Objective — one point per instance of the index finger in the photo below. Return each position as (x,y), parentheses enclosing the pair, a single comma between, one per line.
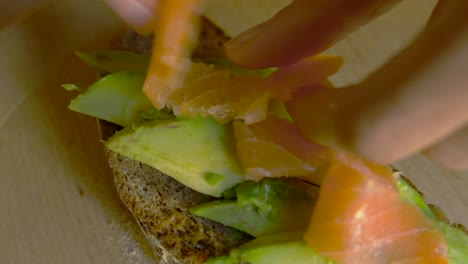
(302,29)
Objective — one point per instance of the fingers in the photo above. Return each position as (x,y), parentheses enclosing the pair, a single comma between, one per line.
(304,28)
(137,13)
(452,152)
(418,98)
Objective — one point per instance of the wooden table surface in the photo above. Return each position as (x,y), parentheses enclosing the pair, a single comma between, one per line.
(57,201)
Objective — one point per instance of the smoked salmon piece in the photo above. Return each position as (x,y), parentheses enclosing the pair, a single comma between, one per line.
(359,218)
(274,148)
(176,26)
(217,93)
(214,93)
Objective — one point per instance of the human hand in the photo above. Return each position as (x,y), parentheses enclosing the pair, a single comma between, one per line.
(416,102)
(407,113)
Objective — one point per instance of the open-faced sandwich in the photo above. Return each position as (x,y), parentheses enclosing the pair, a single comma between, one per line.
(218,172)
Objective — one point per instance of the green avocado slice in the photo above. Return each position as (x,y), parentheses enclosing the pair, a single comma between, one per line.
(266,207)
(280,248)
(411,196)
(197,152)
(229,213)
(116,98)
(457,242)
(456,239)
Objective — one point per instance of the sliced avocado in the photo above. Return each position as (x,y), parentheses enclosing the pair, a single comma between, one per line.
(411,196)
(115,61)
(116,98)
(229,213)
(268,196)
(279,248)
(229,194)
(456,239)
(265,207)
(187,149)
(457,242)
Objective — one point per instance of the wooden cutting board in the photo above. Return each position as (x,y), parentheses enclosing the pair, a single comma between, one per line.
(58,204)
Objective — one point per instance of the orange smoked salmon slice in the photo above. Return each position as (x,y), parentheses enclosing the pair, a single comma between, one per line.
(176,29)
(215,93)
(274,148)
(365,221)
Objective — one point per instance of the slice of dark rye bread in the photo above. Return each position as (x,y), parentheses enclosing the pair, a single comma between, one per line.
(160,204)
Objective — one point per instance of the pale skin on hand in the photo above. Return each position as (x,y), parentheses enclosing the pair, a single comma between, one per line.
(414,103)
(137,13)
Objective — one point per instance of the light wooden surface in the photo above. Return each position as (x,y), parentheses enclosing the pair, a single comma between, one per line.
(57,202)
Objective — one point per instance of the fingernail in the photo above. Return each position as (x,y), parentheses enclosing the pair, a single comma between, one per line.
(134,13)
(139,15)
(233,45)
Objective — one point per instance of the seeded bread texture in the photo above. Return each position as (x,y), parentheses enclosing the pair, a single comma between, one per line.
(159,203)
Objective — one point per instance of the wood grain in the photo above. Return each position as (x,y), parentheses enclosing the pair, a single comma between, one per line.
(58,204)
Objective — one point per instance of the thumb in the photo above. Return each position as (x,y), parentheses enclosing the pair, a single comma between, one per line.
(137,13)
(304,28)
